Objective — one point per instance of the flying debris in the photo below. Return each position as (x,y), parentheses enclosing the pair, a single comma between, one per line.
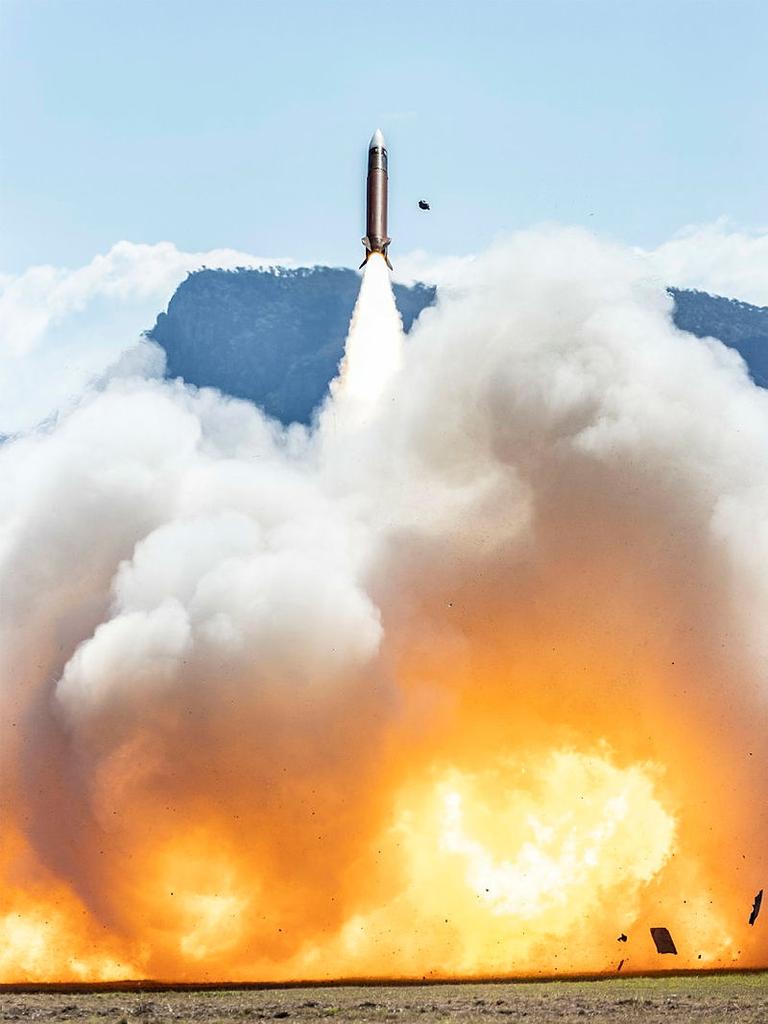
(663,940)
(622,938)
(621,964)
(376,239)
(758,902)
(424,205)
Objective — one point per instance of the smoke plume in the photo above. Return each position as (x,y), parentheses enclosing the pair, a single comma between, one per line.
(468,679)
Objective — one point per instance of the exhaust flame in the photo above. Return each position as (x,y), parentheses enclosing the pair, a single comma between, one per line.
(469,679)
(374,350)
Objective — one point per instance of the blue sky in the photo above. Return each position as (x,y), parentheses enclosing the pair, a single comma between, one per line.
(245,124)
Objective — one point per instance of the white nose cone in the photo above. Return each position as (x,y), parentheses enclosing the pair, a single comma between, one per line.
(377,140)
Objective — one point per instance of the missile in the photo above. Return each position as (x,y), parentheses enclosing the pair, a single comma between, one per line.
(376,239)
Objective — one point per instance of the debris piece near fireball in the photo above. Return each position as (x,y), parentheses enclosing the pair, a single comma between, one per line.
(757,903)
(663,941)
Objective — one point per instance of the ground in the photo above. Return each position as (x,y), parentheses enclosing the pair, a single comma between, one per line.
(713,999)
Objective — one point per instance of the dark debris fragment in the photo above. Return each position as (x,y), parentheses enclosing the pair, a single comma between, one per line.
(757,903)
(663,940)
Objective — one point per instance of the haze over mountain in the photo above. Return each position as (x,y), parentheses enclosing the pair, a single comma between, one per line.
(275,336)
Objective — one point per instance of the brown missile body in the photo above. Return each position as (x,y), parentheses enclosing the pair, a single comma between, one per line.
(376,238)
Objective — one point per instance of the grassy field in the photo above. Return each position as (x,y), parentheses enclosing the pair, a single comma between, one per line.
(713,998)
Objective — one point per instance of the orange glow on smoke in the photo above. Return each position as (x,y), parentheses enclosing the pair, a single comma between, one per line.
(507,839)
(46,934)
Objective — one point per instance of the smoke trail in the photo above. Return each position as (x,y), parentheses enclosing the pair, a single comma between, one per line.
(469,679)
(374,349)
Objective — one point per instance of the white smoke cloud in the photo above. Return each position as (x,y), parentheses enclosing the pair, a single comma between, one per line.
(419,265)
(548,465)
(59,326)
(716,258)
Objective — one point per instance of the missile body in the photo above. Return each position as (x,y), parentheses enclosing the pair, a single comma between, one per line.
(376,239)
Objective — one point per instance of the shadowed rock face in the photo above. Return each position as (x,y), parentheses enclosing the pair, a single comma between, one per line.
(276,336)
(737,324)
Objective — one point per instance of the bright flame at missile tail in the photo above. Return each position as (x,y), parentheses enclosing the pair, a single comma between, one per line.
(467,680)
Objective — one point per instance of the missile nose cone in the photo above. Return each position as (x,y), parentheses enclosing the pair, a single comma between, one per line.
(377,140)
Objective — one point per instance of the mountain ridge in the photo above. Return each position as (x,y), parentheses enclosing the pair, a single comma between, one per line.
(275,335)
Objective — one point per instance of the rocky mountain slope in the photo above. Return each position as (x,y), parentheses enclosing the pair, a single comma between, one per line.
(276,336)
(273,336)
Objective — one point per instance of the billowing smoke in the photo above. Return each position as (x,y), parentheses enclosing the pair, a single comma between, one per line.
(470,678)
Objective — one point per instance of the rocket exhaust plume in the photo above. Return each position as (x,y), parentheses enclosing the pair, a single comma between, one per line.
(468,679)
(373,352)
